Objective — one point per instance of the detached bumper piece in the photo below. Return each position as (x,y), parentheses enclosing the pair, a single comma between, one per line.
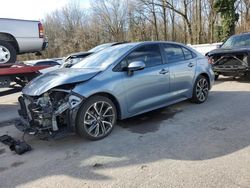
(20,147)
(43,135)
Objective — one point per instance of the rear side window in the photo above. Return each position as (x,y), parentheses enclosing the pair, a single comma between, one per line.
(43,63)
(187,54)
(47,63)
(149,54)
(53,63)
(173,53)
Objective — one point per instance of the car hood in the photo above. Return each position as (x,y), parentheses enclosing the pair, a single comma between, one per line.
(229,51)
(58,77)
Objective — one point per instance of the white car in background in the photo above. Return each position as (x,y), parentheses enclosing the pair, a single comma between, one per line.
(205,48)
(75,58)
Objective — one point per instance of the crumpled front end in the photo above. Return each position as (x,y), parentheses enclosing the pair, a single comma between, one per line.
(51,113)
(230,64)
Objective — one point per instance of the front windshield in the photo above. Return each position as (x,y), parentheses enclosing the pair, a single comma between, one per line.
(105,57)
(100,47)
(237,41)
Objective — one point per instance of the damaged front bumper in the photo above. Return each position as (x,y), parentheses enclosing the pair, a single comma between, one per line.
(51,114)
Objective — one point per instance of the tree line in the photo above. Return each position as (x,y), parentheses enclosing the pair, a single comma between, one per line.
(72,29)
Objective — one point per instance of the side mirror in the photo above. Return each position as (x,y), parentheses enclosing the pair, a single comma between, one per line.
(135,66)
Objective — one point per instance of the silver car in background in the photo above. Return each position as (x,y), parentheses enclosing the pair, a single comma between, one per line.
(116,83)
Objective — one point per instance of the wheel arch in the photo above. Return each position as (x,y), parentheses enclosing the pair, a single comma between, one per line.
(206,76)
(113,99)
(11,39)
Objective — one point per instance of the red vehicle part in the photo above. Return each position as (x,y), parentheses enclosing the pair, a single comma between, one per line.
(19,73)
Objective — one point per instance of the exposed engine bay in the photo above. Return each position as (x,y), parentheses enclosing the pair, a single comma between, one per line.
(51,113)
(231,64)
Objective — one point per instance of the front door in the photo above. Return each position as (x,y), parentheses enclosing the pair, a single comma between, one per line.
(148,88)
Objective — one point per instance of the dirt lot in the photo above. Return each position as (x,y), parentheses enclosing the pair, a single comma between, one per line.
(185,145)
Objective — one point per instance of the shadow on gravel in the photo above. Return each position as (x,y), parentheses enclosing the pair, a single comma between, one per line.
(243,79)
(8,112)
(148,122)
(214,129)
(9,122)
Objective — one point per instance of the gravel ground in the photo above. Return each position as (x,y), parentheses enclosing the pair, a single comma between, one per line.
(184,145)
(8,103)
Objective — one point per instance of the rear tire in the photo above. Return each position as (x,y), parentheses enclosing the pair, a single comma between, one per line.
(7,53)
(216,76)
(96,118)
(200,90)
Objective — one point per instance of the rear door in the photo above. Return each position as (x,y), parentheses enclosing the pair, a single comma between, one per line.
(182,65)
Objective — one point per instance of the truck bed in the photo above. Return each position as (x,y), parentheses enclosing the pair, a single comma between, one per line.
(18,73)
(19,69)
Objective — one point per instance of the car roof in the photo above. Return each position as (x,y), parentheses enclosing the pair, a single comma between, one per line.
(88,52)
(124,43)
(155,42)
(241,34)
(135,44)
(160,42)
(80,53)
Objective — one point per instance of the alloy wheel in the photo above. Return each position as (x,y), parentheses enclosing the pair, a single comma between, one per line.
(202,89)
(99,119)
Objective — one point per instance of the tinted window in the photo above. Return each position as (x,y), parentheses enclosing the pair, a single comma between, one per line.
(173,53)
(237,41)
(42,63)
(187,53)
(53,63)
(46,63)
(149,54)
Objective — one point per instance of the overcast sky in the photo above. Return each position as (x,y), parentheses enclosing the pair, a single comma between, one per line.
(33,9)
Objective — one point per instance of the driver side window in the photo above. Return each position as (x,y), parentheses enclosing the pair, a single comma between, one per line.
(149,54)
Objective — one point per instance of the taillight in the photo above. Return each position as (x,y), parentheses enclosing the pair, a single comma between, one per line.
(40,29)
(210,60)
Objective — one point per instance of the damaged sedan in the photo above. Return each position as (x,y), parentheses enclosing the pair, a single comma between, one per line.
(116,83)
(233,57)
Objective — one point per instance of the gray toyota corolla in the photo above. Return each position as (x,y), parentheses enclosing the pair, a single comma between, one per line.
(116,83)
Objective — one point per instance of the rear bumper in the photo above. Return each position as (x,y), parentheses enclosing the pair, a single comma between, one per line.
(211,77)
(31,45)
(231,69)
(45,44)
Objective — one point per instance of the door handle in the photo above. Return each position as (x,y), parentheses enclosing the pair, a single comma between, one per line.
(163,71)
(190,64)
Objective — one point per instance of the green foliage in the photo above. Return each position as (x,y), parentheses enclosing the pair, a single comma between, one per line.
(229,17)
(218,33)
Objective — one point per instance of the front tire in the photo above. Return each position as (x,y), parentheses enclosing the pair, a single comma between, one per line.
(7,53)
(200,90)
(96,118)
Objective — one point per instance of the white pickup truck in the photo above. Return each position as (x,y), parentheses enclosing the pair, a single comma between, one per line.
(19,37)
